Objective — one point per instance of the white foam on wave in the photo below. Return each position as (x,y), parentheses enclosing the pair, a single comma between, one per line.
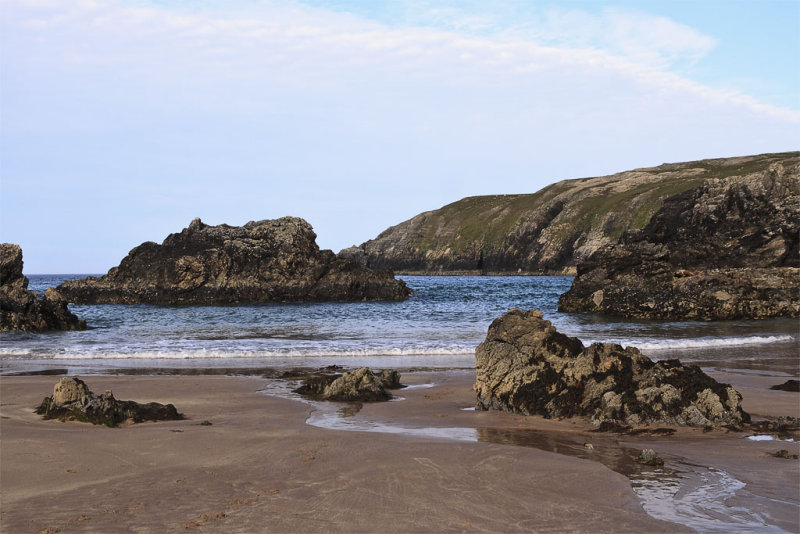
(189,354)
(767,437)
(706,342)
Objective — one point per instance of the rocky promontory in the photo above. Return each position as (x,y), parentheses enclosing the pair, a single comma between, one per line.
(262,261)
(22,309)
(526,366)
(72,400)
(727,249)
(547,232)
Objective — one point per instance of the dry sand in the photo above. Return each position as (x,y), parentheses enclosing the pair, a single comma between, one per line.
(260,468)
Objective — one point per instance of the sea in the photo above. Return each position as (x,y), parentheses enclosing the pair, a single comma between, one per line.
(438,327)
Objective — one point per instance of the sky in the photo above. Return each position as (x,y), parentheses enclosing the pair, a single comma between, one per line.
(121,121)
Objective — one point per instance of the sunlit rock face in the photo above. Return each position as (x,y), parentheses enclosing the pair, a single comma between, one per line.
(526,366)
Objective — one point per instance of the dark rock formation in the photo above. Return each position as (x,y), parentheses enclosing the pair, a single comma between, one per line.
(264,261)
(550,231)
(526,366)
(21,309)
(72,400)
(725,250)
(361,385)
(789,385)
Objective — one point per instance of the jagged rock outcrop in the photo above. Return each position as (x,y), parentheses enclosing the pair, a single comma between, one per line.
(526,366)
(725,250)
(550,231)
(263,261)
(22,309)
(72,400)
(361,385)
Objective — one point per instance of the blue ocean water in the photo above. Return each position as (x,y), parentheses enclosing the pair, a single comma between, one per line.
(438,327)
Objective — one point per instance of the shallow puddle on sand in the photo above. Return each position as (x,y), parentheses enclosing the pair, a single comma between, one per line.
(683,493)
(341,415)
(692,495)
(698,497)
(339,421)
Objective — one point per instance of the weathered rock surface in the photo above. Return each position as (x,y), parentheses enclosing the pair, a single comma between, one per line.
(361,385)
(649,457)
(789,385)
(725,250)
(72,400)
(263,261)
(21,309)
(546,232)
(526,366)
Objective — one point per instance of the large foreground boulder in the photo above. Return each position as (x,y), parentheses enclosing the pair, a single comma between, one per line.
(22,309)
(526,366)
(263,261)
(725,250)
(72,400)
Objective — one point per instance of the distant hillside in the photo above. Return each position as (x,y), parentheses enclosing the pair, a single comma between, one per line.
(548,231)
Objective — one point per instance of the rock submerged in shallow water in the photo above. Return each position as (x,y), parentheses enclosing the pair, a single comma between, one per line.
(526,366)
(22,309)
(72,400)
(262,261)
(649,457)
(361,385)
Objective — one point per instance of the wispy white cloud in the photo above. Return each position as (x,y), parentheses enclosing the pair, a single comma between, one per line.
(272,108)
(299,47)
(639,37)
(632,34)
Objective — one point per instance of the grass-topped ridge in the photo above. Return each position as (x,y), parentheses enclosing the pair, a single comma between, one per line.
(552,228)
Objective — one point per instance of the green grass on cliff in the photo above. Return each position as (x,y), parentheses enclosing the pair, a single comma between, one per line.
(486,221)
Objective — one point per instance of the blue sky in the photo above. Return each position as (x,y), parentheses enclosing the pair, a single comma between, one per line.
(122,121)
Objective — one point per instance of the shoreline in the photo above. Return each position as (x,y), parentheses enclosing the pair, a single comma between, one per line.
(261,466)
(570,270)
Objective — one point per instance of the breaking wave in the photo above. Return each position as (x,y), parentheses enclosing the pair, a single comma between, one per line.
(710,342)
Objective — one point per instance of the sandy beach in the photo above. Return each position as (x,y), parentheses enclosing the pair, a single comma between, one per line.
(422,463)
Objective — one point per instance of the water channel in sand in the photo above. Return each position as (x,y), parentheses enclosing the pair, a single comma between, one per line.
(696,496)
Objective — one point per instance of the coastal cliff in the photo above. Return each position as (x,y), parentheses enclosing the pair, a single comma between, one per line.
(22,309)
(547,232)
(725,250)
(262,261)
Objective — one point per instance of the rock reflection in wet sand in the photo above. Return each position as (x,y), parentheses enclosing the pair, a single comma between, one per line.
(691,495)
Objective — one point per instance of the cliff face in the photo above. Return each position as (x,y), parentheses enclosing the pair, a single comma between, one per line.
(547,231)
(725,250)
(262,261)
(22,309)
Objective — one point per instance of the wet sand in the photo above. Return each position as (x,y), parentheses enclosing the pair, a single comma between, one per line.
(419,464)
